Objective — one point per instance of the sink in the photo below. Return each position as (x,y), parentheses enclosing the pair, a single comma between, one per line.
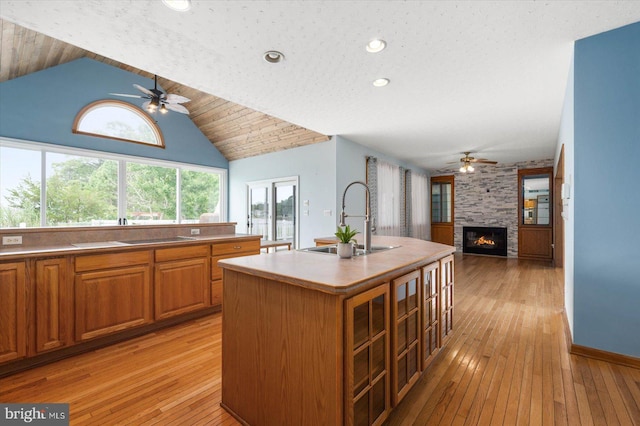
(157,240)
(333,249)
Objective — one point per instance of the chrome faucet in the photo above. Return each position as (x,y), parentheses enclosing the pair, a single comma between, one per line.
(368,227)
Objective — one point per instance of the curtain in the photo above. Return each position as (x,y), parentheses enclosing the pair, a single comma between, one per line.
(389,200)
(419,225)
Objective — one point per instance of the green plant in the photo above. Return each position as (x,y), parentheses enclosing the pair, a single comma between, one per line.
(346,235)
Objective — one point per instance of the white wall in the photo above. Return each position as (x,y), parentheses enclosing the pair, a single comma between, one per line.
(315,167)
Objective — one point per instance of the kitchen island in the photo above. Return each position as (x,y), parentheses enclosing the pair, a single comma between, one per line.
(309,338)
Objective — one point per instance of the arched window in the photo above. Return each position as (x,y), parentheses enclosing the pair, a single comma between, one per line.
(118,120)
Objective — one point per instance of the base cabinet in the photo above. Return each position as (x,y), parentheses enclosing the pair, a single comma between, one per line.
(405,337)
(54,306)
(13,312)
(181,282)
(227,250)
(367,389)
(110,300)
(430,323)
(446,298)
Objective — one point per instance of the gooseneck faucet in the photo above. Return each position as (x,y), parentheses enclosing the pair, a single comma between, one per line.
(368,228)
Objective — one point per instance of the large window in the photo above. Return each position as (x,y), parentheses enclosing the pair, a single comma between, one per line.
(42,185)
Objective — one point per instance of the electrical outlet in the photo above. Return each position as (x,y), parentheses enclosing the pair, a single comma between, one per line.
(195,232)
(12,239)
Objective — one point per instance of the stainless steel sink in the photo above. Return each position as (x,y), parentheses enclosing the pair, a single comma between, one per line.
(359,251)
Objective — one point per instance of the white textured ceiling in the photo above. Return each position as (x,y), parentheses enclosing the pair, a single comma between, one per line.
(481,76)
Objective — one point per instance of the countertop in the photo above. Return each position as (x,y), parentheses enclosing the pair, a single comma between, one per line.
(17,252)
(330,274)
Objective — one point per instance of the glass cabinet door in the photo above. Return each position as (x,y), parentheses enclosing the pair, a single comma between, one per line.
(367,387)
(446,298)
(430,313)
(406,335)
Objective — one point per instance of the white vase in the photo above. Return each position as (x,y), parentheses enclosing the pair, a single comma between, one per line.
(345,250)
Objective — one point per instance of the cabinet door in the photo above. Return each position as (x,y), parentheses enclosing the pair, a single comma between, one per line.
(181,286)
(13,313)
(406,334)
(367,387)
(54,319)
(430,313)
(446,299)
(216,293)
(112,300)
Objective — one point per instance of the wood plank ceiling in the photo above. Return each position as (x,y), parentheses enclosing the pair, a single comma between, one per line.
(236,131)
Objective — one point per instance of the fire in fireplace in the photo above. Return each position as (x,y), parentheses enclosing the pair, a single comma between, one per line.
(484,240)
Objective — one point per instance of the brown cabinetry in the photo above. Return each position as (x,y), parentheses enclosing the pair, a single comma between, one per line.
(54,306)
(112,293)
(227,250)
(13,312)
(181,280)
(406,334)
(367,357)
(446,298)
(430,313)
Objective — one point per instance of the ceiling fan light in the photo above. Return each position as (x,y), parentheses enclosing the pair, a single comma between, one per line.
(470,168)
(463,169)
(163,109)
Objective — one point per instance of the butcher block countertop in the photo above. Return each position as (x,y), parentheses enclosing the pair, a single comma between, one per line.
(330,274)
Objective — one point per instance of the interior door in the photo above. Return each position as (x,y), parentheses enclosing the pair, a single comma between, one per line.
(442,209)
(535,228)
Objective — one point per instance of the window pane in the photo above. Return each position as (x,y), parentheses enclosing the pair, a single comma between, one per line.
(19,188)
(81,191)
(200,196)
(536,200)
(151,194)
(119,120)
(446,202)
(285,213)
(436,216)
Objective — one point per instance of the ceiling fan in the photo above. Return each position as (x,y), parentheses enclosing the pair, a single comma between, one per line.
(158,99)
(467,160)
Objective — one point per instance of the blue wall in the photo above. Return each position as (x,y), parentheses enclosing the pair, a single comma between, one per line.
(41,107)
(607,198)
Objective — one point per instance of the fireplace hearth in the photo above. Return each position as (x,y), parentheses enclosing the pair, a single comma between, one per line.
(485,240)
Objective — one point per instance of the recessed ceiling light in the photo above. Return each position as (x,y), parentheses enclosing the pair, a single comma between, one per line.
(273,56)
(178,5)
(380,82)
(376,45)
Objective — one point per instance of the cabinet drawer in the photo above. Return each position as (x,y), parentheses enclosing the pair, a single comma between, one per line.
(178,253)
(216,271)
(112,260)
(236,247)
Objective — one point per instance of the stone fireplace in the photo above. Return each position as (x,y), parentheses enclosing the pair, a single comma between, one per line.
(491,241)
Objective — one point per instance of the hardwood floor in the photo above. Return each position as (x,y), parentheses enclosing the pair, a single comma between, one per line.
(506,363)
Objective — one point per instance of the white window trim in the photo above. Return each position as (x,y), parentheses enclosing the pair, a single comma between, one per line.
(60,149)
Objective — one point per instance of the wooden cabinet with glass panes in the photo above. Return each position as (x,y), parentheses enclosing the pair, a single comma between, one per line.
(430,325)
(405,334)
(446,298)
(367,392)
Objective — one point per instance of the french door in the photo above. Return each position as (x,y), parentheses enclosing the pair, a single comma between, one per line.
(272,207)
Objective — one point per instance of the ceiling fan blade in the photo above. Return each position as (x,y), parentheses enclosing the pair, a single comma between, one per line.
(484,161)
(176,108)
(126,96)
(143,90)
(175,99)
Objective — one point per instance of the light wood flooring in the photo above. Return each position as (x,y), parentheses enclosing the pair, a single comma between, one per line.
(507,363)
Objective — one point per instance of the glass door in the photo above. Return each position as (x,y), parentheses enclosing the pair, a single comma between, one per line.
(273,209)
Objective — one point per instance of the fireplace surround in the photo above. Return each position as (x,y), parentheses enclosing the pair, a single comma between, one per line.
(491,241)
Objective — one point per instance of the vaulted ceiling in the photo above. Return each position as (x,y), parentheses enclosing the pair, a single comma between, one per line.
(236,131)
(482,76)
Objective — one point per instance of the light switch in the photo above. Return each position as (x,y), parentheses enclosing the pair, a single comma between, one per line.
(327,212)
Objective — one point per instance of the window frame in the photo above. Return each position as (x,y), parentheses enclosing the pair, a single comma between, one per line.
(122,159)
(125,105)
